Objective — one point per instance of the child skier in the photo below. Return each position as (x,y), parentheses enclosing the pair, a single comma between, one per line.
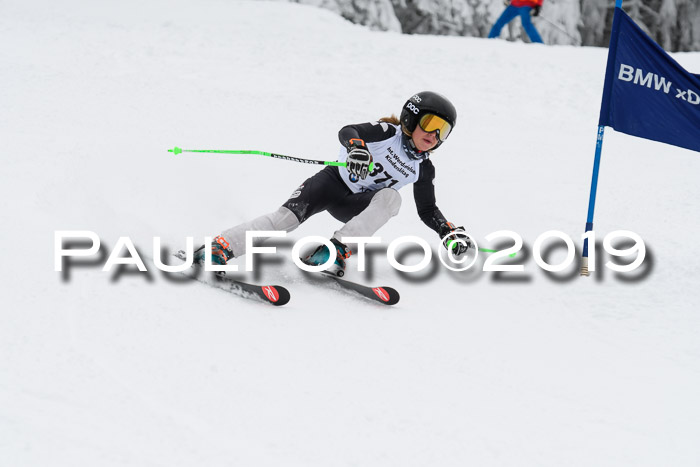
(364,200)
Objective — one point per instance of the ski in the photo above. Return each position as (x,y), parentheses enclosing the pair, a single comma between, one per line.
(273,294)
(384,295)
(278,295)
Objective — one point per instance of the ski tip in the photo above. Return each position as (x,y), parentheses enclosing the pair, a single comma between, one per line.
(276,294)
(387,295)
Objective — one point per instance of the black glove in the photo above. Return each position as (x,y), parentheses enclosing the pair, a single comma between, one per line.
(536,10)
(455,239)
(359,158)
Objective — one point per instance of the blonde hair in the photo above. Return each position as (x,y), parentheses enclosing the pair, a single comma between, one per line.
(394,120)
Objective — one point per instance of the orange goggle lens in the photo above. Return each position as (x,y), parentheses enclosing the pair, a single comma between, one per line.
(430,123)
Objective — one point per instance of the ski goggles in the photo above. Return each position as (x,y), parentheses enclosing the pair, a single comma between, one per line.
(431,122)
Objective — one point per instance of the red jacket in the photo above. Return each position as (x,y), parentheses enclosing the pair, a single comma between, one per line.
(530,3)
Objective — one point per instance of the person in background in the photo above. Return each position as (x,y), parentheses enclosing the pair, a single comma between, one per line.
(524,9)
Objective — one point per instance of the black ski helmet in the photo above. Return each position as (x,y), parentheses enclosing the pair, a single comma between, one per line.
(427,102)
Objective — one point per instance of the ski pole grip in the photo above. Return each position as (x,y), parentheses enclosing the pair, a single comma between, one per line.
(345,164)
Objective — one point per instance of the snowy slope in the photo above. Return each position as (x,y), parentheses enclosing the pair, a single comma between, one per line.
(470,368)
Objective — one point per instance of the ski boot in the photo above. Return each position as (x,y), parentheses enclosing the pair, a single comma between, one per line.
(321,255)
(220,252)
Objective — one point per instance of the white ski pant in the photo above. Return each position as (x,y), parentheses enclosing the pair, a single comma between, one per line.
(383,205)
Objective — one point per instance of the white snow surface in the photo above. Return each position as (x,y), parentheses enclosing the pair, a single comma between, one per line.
(133,369)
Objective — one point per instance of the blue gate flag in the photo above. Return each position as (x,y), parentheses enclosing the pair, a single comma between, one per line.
(647,93)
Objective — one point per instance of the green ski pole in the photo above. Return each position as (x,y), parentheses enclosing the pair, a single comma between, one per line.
(486,250)
(177,151)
